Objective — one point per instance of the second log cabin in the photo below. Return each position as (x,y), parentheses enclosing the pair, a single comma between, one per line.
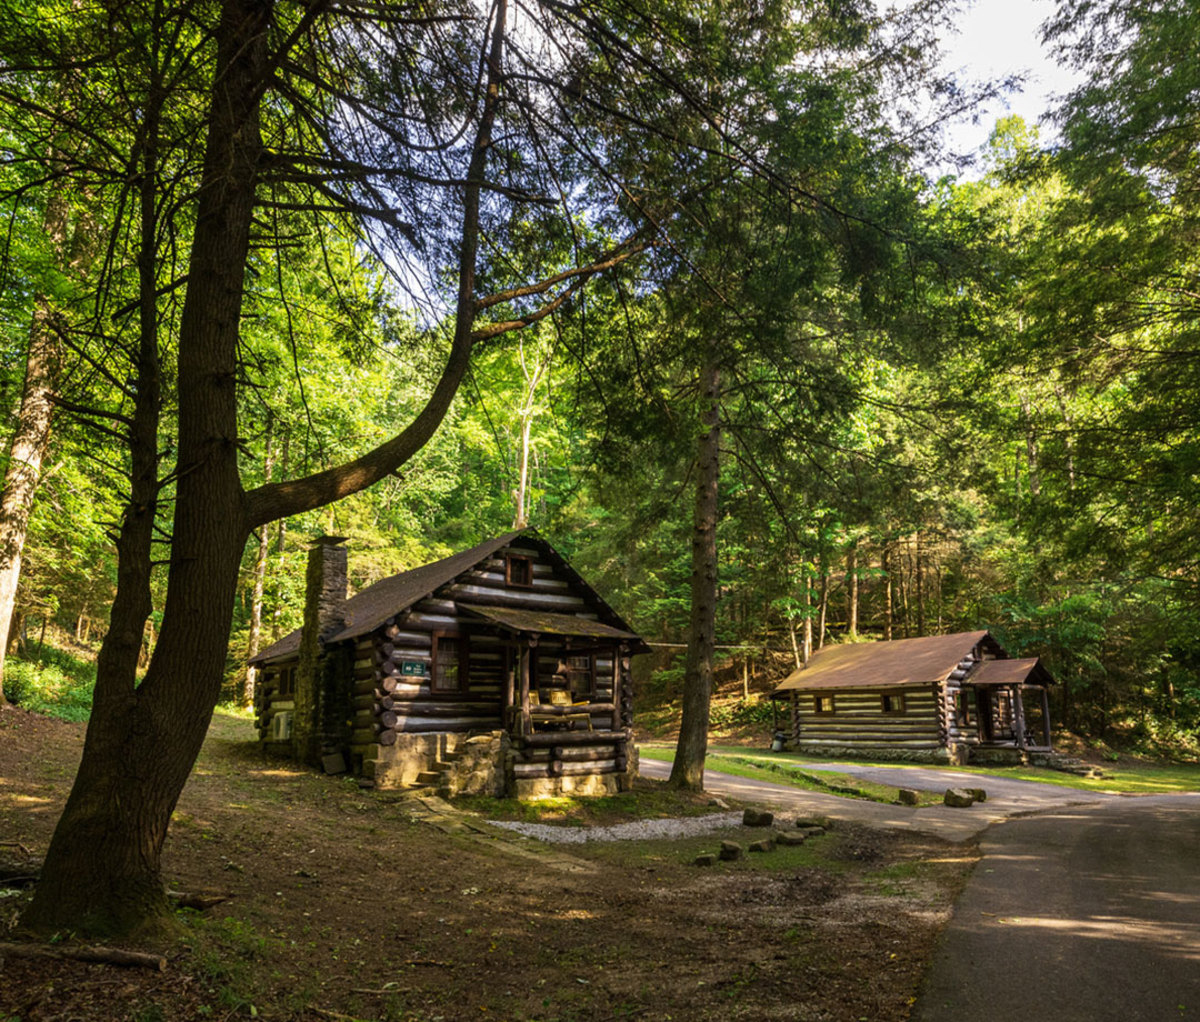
(497,670)
(954,698)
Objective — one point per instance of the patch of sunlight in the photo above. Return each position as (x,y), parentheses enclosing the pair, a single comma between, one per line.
(276,773)
(27,800)
(1182,940)
(576,913)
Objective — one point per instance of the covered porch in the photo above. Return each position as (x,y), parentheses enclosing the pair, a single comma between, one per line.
(1012,704)
(566,702)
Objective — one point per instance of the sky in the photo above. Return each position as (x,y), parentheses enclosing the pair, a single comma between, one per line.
(999,37)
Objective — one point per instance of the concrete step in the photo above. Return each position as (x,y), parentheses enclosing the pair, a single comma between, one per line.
(428,778)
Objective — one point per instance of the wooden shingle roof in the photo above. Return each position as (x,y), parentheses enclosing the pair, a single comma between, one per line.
(895,664)
(369,609)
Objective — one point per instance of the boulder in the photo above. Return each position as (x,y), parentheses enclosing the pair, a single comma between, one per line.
(705,859)
(979,793)
(767,844)
(908,796)
(731,851)
(791,837)
(958,798)
(814,821)
(757,818)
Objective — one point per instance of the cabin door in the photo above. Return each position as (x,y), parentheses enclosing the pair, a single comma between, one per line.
(983,703)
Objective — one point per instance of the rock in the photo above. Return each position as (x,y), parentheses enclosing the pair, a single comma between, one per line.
(767,844)
(908,796)
(979,794)
(791,837)
(757,818)
(958,798)
(813,821)
(720,803)
(705,859)
(731,851)
(810,831)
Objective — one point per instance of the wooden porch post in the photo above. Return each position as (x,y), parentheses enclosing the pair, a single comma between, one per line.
(526,665)
(1018,717)
(1046,716)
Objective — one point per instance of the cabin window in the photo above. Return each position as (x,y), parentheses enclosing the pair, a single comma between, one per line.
(893,703)
(448,667)
(579,669)
(287,681)
(518,572)
(823,704)
(962,708)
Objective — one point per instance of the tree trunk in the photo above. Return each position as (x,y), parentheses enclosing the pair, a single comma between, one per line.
(919,582)
(688,768)
(885,562)
(795,644)
(102,871)
(822,607)
(32,435)
(808,624)
(260,576)
(852,591)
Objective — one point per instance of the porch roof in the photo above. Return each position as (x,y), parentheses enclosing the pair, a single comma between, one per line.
(1028,671)
(548,624)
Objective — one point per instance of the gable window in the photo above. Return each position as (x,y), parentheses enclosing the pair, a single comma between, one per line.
(518,572)
(823,704)
(892,703)
(448,666)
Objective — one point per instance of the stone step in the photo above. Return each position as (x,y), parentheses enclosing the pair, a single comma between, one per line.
(428,777)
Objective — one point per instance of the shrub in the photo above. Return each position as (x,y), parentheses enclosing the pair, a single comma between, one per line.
(58,684)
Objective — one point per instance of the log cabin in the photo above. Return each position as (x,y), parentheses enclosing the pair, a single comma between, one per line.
(949,698)
(496,671)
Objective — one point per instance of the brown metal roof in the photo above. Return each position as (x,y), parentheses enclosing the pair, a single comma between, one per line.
(1028,671)
(374,605)
(549,624)
(894,664)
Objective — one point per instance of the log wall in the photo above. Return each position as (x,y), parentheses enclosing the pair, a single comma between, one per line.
(858,721)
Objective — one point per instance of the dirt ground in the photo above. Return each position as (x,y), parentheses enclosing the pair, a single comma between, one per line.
(344,904)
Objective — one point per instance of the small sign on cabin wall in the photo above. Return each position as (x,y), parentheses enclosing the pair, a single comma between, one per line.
(414,668)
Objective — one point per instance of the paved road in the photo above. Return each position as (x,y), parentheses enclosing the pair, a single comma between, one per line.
(1005,798)
(1087,914)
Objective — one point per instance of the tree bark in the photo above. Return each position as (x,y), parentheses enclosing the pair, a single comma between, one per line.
(32,436)
(919,581)
(852,591)
(688,769)
(260,576)
(885,565)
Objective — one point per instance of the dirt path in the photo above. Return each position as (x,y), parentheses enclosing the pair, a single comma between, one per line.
(371,906)
(1080,915)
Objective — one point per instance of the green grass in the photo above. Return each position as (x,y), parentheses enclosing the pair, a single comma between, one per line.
(51,681)
(775,768)
(1137,778)
(647,802)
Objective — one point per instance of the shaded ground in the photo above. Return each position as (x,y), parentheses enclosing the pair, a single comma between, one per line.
(346,904)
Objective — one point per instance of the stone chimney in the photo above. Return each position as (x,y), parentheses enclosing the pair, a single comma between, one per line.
(322,695)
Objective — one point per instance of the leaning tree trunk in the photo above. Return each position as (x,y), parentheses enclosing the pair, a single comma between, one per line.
(32,436)
(688,768)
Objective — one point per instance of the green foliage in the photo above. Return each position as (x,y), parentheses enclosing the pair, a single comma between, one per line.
(54,682)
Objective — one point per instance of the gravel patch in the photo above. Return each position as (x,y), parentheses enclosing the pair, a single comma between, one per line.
(639,830)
